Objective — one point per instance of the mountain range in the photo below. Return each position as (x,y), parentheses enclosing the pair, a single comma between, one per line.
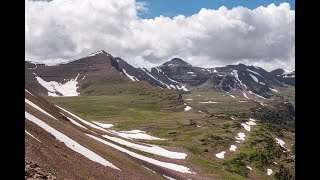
(102,69)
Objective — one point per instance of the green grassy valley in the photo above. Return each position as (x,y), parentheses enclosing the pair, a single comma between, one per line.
(202,132)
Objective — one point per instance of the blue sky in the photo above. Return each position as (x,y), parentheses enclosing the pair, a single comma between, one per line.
(172,8)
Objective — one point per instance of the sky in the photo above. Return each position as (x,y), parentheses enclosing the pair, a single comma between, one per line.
(173,8)
(146,33)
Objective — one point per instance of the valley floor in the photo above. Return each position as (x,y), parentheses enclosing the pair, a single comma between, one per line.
(217,132)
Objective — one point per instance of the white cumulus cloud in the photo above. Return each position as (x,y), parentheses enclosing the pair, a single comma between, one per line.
(70,29)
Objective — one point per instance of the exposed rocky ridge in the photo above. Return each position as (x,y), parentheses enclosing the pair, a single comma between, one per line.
(34,172)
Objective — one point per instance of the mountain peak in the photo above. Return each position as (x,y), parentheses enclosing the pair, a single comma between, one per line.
(177,62)
(98,52)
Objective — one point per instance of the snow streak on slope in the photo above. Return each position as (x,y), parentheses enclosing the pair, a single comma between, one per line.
(32,136)
(73,121)
(29,92)
(150,148)
(281,143)
(134,134)
(208,102)
(156,79)
(244,94)
(170,178)
(235,74)
(254,72)
(273,89)
(103,124)
(82,120)
(232,96)
(96,53)
(129,76)
(254,78)
(171,166)
(256,94)
(38,108)
(67,89)
(69,142)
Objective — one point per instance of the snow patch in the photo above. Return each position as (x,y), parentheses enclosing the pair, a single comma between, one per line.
(250,123)
(269,172)
(246,127)
(241,136)
(171,166)
(281,143)
(67,89)
(249,168)
(189,99)
(220,155)
(233,148)
(69,142)
(262,83)
(187,108)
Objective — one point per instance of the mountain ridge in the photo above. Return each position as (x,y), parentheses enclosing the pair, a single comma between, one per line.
(249,81)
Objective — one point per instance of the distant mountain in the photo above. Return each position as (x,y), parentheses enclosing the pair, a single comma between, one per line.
(101,73)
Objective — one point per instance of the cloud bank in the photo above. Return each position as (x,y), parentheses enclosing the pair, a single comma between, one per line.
(61,30)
